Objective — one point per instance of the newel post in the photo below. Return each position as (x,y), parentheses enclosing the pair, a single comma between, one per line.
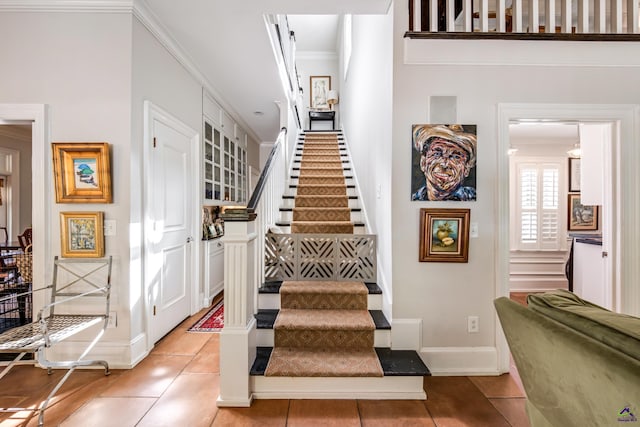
(238,337)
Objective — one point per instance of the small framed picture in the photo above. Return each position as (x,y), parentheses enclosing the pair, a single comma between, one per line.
(82,172)
(574,174)
(320,87)
(444,235)
(581,217)
(82,234)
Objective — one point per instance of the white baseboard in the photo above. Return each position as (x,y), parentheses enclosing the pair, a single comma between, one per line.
(461,360)
(221,403)
(118,354)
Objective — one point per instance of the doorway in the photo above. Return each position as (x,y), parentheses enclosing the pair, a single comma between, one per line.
(624,157)
(36,209)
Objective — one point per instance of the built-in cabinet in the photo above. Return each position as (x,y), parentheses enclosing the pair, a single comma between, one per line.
(225,156)
(225,182)
(213,268)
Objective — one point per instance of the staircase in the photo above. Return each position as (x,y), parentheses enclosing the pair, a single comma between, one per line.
(321,337)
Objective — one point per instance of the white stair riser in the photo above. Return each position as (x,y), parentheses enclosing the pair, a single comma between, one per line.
(290,203)
(287,216)
(392,388)
(272,301)
(382,338)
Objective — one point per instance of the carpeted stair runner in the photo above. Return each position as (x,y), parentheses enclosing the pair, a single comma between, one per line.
(321,203)
(323,329)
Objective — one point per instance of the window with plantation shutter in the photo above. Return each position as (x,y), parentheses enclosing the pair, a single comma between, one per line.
(538,205)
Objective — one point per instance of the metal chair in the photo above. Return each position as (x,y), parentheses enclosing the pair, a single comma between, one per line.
(77,284)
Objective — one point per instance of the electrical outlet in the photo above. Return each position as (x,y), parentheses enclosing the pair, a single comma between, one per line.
(472,324)
(113,319)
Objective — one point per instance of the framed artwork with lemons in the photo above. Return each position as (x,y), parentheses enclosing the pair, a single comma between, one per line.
(444,235)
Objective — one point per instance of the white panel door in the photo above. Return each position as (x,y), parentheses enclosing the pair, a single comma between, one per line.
(169,252)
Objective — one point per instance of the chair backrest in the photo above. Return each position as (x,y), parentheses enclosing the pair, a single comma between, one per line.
(25,238)
(75,278)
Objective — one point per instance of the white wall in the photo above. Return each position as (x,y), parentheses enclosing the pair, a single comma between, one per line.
(443,295)
(317,64)
(157,77)
(366,107)
(79,64)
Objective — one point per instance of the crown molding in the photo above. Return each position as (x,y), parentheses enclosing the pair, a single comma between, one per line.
(152,23)
(95,6)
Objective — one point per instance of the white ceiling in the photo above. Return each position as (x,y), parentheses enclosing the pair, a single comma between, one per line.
(315,33)
(226,40)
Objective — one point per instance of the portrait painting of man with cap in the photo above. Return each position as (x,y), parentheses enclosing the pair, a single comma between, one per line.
(444,162)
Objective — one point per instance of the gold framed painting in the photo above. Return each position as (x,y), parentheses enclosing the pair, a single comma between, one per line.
(82,234)
(444,235)
(82,172)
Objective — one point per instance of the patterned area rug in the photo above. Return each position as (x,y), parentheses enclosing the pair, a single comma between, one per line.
(213,321)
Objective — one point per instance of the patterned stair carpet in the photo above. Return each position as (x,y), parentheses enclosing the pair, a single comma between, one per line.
(323,329)
(321,203)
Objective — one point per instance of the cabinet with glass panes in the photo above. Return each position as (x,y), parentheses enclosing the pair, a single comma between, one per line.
(225,163)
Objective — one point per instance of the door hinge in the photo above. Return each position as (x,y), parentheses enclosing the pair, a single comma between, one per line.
(154,142)
(154,310)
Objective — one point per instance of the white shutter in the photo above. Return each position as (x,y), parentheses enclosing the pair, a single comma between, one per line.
(538,207)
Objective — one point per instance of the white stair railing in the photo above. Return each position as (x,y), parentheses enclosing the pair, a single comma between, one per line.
(620,17)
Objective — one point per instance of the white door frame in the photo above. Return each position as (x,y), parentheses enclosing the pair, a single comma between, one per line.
(37,114)
(153,112)
(625,157)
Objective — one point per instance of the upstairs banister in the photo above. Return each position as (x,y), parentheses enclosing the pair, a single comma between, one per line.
(579,20)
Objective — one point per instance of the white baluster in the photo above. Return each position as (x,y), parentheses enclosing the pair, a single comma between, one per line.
(417,13)
(483,11)
(501,25)
(467,20)
(550,16)
(616,16)
(451,15)
(517,16)
(433,16)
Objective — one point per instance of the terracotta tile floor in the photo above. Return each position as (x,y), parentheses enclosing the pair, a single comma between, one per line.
(177,385)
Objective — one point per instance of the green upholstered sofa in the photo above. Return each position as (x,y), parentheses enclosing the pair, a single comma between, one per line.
(579,363)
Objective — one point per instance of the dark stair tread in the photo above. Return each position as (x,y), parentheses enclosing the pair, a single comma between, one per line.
(296,186)
(394,362)
(286,196)
(265,319)
(288,224)
(320,207)
(401,363)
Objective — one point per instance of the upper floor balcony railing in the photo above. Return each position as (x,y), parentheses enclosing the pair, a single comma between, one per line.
(589,20)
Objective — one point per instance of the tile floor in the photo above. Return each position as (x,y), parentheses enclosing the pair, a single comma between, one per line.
(177,385)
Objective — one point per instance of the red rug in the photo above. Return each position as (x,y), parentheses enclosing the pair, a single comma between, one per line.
(213,321)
